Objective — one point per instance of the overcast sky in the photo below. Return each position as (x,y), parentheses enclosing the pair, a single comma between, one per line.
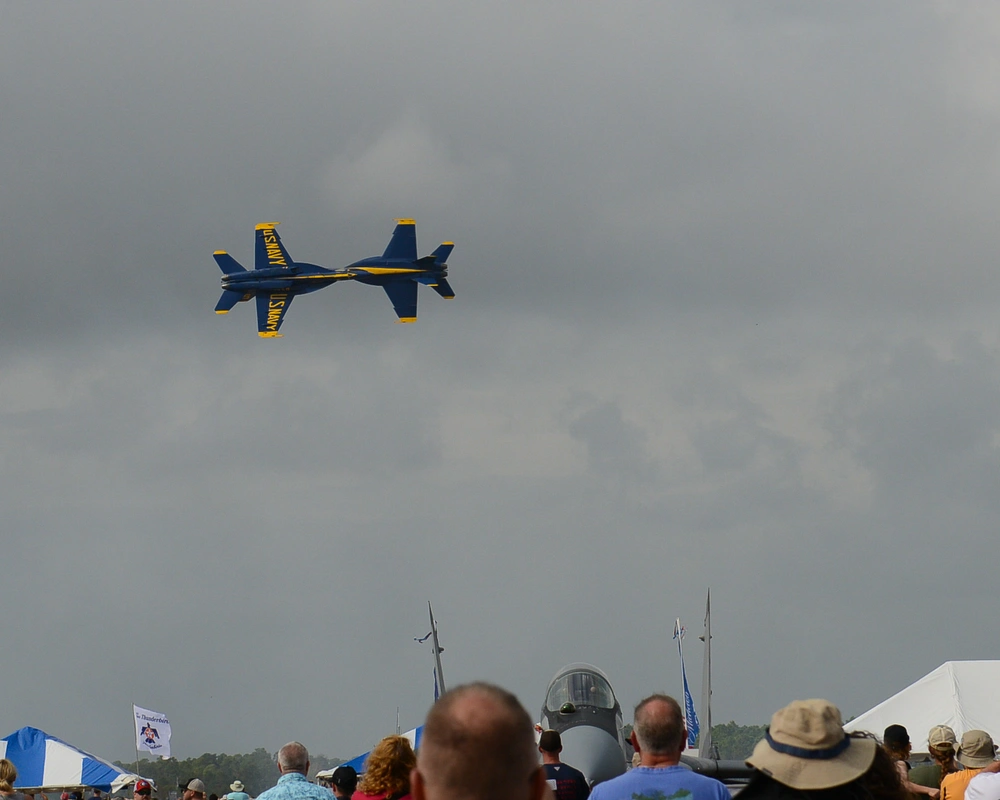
(726,317)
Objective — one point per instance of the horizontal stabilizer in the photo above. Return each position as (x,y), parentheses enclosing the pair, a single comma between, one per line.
(228,300)
(227,263)
(443,288)
(442,253)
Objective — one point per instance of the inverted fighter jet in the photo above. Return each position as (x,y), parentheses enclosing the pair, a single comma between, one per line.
(276,278)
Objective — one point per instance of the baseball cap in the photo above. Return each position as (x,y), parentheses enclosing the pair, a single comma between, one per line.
(344,778)
(941,735)
(897,735)
(196,785)
(142,786)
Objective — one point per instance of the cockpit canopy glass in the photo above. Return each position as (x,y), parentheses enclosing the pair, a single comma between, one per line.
(580,689)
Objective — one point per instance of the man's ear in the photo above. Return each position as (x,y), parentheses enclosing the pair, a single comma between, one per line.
(635,742)
(417,785)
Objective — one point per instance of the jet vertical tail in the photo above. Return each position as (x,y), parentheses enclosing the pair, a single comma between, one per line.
(227,263)
(230,299)
(442,253)
(443,288)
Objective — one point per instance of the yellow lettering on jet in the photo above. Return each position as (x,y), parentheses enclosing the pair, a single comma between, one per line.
(274,310)
(274,256)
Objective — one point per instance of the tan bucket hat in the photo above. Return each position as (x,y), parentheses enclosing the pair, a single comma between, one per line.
(976,750)
(806,748)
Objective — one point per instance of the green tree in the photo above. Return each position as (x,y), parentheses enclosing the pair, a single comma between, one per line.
(736,742)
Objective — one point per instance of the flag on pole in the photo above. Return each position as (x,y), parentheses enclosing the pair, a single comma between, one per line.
(690,715)
(152,731)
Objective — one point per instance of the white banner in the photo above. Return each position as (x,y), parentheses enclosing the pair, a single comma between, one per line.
(152,731)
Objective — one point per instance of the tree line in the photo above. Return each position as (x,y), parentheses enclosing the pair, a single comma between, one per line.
(257,771)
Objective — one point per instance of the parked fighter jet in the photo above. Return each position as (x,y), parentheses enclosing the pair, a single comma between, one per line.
(581,705)
(276,279)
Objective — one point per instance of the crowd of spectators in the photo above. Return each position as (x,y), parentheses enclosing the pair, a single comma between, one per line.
(479,744)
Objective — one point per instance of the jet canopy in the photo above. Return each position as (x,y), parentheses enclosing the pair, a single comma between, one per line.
(580,685)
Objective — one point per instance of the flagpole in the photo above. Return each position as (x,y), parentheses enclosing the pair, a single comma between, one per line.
(437,650)
(705,746)
(136,739)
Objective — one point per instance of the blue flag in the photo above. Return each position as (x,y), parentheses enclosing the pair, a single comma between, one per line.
(690,715)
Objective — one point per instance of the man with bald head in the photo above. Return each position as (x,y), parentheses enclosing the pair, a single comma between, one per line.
(478,744)
(658,736)
(293,764)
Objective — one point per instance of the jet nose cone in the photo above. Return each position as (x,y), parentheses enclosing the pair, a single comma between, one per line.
(595,752)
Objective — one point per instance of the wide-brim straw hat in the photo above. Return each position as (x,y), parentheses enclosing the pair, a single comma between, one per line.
(806,748)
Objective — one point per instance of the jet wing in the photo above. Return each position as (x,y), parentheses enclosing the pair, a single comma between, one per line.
(403,295)
(271,310)
(268,250)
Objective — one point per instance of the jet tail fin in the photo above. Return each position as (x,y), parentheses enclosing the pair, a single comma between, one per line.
(442,253)
(227,263)
(443,288)
(228,300)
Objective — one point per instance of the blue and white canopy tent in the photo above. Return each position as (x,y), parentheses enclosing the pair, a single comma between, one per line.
(358,762)
(46,763)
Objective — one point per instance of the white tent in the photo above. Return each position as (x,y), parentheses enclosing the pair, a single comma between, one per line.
(962,694)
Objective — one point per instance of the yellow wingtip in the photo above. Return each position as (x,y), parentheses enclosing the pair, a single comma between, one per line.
(269,335)
(221,312)
(407,319)
(406,221)
(220,253)
(263,225)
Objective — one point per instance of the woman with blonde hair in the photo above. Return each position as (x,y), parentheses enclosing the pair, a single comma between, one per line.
(387,771)
(8,774)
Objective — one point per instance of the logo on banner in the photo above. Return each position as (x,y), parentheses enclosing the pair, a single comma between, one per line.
(152,731)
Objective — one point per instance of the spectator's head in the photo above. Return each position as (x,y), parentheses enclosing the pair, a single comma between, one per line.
(344,781)
(478,744)
(941,744)
(195,790)
(388,767)
(896,741)
(806,748)
(976,750)
(236,786)
(293,757)
(142,789)
(658,727)
(8,774)
(550,742)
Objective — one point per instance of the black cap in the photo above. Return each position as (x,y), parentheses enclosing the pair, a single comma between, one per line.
(896,734)
(344,778)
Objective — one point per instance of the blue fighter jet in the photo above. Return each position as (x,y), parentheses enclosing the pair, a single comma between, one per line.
(276,278)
